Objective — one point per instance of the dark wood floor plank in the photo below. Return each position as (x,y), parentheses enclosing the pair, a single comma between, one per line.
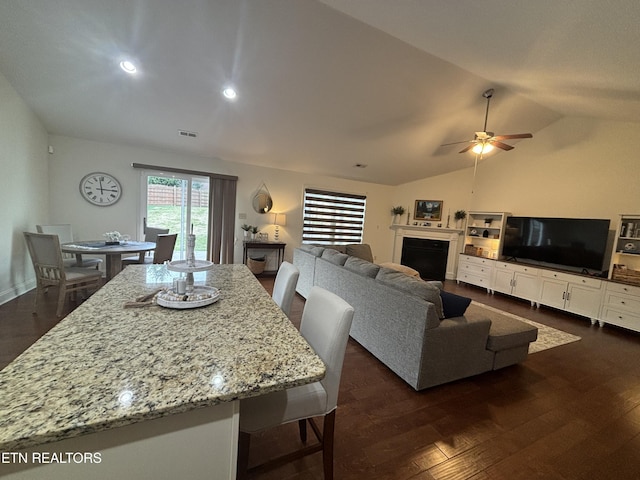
(569,413)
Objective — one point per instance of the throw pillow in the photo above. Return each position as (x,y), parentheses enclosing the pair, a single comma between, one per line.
(453,305)
(401,268)
(334,256)
(360,250)
(361,267)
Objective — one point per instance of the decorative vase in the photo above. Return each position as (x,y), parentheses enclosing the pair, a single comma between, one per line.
(253,236)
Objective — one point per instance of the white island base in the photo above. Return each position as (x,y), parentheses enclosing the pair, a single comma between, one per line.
(199,444)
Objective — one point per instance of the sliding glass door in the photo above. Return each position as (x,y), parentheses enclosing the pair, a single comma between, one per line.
(180,203)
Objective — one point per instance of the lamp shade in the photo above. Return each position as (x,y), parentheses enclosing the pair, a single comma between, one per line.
(279,219)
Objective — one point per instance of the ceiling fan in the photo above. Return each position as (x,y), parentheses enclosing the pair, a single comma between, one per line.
(484,141)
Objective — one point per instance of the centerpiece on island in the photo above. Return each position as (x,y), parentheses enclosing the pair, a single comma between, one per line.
(190,265)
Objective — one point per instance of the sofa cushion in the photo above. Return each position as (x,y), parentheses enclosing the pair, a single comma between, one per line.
(413,286)
(337,248)
(453,305)
(334,256)
(360,250)
(312,249)
(506,333)
(401,268)
(361,267)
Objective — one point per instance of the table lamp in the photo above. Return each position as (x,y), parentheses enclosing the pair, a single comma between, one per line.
(279,220)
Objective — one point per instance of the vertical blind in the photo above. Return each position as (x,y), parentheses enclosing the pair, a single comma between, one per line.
(333,218)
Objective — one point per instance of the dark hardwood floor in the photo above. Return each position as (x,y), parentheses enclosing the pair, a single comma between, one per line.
(571,412)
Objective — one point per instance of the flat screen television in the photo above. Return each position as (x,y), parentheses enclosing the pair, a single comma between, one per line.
(579,243)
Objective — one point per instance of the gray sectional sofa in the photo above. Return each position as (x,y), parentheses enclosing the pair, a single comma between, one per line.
(400,320)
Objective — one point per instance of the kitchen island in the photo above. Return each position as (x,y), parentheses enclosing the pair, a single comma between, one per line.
(147,392)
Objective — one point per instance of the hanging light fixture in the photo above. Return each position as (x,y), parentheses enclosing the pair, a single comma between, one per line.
(482,148)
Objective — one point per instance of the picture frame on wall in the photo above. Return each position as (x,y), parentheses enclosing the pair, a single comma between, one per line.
(430,210)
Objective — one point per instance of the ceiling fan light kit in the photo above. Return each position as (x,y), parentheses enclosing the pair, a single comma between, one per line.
(484,141)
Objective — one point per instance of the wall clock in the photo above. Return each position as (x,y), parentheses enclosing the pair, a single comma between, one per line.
(100,189)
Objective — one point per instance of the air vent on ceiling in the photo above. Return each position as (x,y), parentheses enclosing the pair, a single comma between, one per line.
(186,133)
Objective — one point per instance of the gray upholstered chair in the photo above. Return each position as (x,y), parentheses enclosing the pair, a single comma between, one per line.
(165,245)
(48,264)
(284,287)
(326,321)
(65,235)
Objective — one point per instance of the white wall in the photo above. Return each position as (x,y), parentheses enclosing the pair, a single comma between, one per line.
(74,158)
(23,188)
(576,167)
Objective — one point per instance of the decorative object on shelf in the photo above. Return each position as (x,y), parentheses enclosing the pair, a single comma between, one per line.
(408,216)
(254,232)
(487,221)
(428,210)
(112,238)
(630,247)
(262,201)
(279,220)
(459,215)
(246,229)
(100,189)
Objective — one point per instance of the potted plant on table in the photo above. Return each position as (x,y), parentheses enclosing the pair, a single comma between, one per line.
(246,229)
(254,232)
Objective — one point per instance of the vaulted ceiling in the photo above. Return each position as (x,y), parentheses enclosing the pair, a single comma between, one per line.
(322,85)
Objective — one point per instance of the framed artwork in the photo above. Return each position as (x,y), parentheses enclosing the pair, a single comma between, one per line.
(428,210)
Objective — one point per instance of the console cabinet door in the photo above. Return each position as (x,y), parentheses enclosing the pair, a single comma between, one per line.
(553,293)
(526,285)
(584,300)
(503,281)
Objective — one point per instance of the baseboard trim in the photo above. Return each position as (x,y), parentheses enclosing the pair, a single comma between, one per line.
(14,292)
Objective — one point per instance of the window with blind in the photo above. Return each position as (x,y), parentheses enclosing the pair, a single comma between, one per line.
(333,218)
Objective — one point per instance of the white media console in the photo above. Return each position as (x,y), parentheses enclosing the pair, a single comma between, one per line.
(601,300)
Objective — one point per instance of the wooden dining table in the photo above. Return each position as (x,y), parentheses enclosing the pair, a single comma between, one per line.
(113,253)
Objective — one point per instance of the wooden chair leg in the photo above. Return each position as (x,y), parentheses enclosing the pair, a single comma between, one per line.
(327,444)
(302,425)
(62,294)
(242,466)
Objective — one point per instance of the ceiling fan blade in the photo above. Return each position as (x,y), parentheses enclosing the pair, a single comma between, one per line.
(466,149)
(455,143)
(501,145)
(515,135)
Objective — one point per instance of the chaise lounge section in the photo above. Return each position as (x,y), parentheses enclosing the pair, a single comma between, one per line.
(401,320)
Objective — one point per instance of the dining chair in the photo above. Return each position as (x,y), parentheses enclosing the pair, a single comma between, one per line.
(284,287)
(326,321)
(165,245)
(151,233)
(65,235)
(48,264)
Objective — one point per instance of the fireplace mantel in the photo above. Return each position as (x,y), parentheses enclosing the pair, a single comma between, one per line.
(452,235)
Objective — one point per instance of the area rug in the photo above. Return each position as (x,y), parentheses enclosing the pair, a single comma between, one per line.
(548,337)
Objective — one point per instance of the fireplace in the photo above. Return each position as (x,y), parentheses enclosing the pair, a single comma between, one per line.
(449,236)
(427,256)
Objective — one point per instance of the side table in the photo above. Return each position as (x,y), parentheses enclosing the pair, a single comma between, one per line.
(255,245)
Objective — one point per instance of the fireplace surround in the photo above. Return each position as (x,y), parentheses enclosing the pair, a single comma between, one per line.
(450,235)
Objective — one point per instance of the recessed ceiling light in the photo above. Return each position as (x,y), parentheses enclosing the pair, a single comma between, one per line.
(128,66)
(229,93)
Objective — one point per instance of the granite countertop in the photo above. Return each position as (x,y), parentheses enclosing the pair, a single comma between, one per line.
(106,366)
